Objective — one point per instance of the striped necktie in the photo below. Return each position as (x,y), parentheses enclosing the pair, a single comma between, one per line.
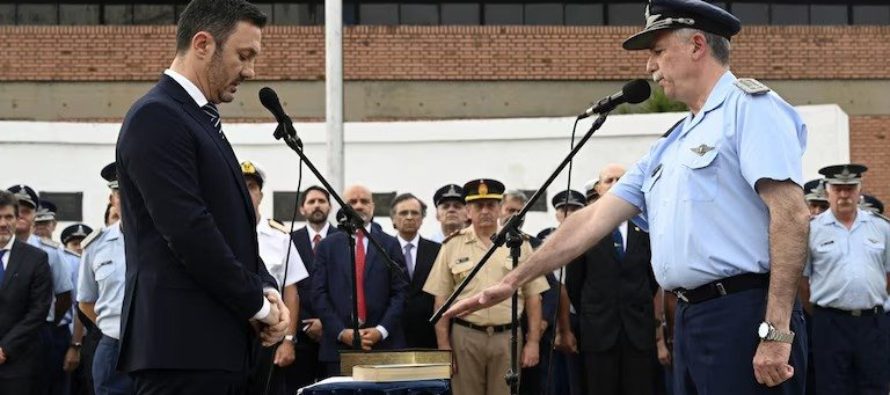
(212,112)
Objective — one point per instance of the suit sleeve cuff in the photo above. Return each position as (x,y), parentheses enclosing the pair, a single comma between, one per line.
(383,332)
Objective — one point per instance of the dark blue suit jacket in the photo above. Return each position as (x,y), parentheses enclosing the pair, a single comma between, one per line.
(194,277)
(384,291)
(301,240)
(25,296)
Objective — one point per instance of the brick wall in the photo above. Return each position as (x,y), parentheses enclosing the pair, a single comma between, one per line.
(870,145)
(139,53)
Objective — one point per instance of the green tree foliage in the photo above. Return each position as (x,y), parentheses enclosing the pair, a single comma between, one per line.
(657,103)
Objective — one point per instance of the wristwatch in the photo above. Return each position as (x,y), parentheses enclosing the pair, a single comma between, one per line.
(768,333)
(75,345)
(290,338)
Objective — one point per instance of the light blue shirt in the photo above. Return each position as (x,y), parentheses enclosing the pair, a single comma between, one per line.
(695,189)
(848,268)
(72,262)
(58,268)
(103,277)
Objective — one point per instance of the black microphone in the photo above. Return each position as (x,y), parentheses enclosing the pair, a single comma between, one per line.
(633,92)
(285,126)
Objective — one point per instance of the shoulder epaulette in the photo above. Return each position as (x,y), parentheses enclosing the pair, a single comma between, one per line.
(882,216)
(50,243)
(451,236)
(668,133)
(277,225)
(91,237)
(67,251)
(752,86)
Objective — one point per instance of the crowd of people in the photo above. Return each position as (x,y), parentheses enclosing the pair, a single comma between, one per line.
(696,270)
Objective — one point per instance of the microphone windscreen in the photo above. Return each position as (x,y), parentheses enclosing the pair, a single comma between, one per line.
(270,100)
(636,91)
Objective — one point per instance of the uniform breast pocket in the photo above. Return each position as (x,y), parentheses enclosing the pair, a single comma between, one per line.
(103,266)
(461,270)
(875,247)
(699,173)
(826,248)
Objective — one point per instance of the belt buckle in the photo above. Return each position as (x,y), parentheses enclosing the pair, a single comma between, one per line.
(681,294)
(489,330)
(856,313)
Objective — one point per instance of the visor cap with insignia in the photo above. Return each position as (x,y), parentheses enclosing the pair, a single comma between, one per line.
(575,199)
(252,169)
(872,204)
(484,188)
(47,211)
(109,173)
(677,14)
(25,195)
(849,174)
(590,189)
(814,191)
(448,192)
(75,231)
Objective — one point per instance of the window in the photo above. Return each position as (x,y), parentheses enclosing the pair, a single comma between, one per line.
(379,14)
(118,14)
(543,14)
(291,14)
(541,204)
(828,14)
(585,14)
(751,13)
(144,14)
(419,14)
(69,205)
(283,203)
(790,14)
(871,14)
(626,14)
(460,14)
(37,14)
(7,14)
(503,14)
(78,14)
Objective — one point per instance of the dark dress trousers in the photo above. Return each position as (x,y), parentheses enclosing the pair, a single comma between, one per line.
(419,332)
(194,277)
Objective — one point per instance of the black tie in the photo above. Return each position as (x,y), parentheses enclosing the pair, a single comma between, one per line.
(212,112)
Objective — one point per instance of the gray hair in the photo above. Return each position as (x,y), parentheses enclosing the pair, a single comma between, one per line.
(719,45)
(516,195)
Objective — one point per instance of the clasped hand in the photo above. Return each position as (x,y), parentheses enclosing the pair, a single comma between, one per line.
(273,327)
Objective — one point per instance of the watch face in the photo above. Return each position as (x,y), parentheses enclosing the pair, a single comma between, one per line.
(763,330)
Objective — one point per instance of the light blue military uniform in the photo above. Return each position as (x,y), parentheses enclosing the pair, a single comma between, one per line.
(696,186)
(72,263)
(59,268)
(102,277)
(848,268)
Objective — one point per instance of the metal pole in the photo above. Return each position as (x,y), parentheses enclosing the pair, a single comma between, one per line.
(333,15)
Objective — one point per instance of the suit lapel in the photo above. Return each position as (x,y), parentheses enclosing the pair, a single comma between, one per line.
(421,266)
(15,261)
(371,254)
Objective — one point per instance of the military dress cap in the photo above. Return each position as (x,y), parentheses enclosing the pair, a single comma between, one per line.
(590,189)
(484,188)
(843,174)
(47,211)
(814,191)
(25,194)
(109,173)
(252,169)
(449,192)
(871,203)
(544,233)
(75,231)
(678,14)
(575,199)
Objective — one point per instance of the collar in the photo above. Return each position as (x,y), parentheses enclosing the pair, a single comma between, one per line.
(189,87)
(413,241)
(828,218)
(718,94)
(263,226)
(114,231)
(8,245)
(324,231)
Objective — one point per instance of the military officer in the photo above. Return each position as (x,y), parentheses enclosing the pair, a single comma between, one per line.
(721,197)
(71,240)
(451,211)
(871,204)
(45,219)
(100,295)
(847,271)
(814,193)
(481,340)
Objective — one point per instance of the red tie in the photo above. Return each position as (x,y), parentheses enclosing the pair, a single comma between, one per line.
(360,274)
(315,241)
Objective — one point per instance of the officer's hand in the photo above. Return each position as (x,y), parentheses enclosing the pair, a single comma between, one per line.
(566,341)
(664,355)
(272,334)
(531,353)
(488,297)
(284,355)
(346,337)
(72,359)
(315,328)
(274,315)
(370,337)
(771,366)
(2,357)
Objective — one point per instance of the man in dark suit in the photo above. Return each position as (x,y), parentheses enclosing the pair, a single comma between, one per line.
(196,289)
(407,213)
(380,291)
(612,286)
(315,206)
(25,295)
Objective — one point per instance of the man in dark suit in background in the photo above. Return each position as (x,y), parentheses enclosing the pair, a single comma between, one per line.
(315,206)
(381,291)
(407,213)
(196,289)
(613,287)
(25,295)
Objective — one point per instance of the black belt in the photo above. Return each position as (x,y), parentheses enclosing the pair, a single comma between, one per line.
(855,313)
(491,329)
(726,286)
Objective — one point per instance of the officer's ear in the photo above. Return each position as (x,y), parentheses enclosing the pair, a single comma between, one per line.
(699,45)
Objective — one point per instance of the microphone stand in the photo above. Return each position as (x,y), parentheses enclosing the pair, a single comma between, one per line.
(351,222)
(514,242)
(512,227)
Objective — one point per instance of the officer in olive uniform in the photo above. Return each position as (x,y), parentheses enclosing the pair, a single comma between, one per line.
(481,340)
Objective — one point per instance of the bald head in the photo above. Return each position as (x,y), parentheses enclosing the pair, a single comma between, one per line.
(609,176)
(360,199)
